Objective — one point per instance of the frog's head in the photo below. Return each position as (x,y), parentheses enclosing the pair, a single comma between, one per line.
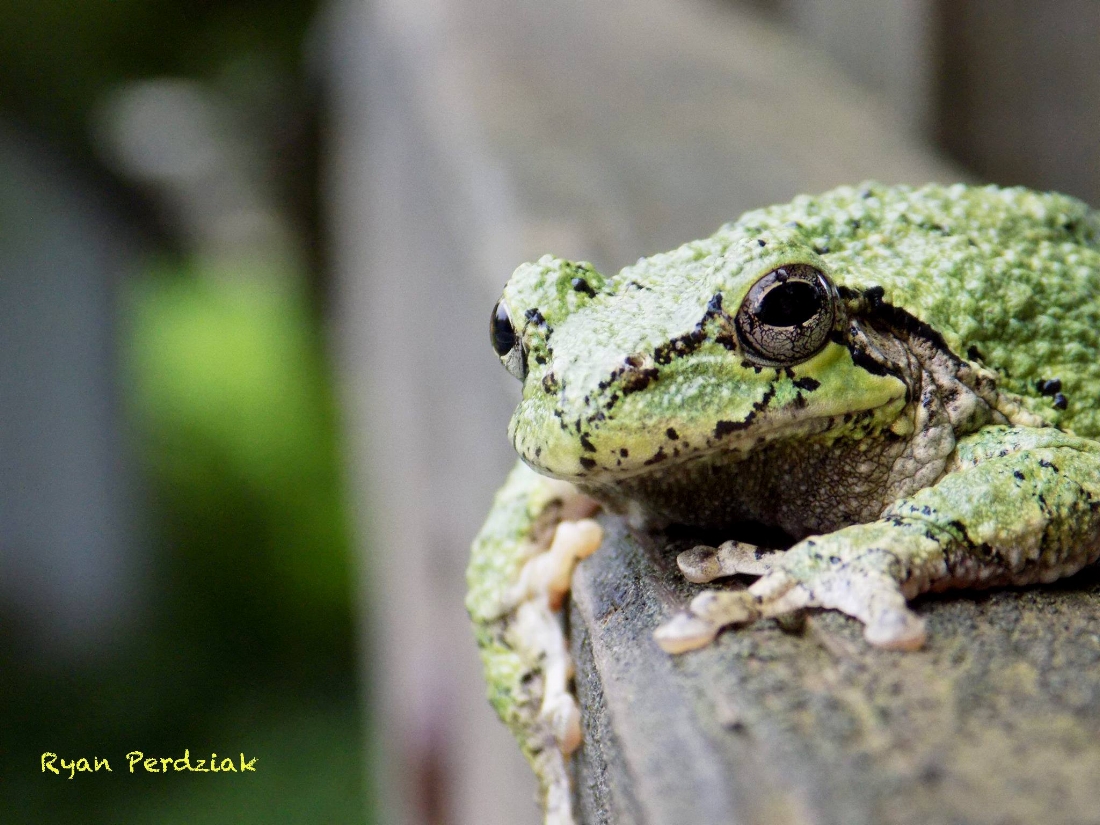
(722,345)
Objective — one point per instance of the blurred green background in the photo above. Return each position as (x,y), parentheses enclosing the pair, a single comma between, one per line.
(238,630)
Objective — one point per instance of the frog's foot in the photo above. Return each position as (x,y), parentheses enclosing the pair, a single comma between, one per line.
(704,564)
(860,586)
(549,573)
(536,630)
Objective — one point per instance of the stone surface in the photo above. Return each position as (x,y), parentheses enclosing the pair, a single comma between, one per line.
(997,720)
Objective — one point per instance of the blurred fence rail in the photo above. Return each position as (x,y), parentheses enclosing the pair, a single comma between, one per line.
(468,137)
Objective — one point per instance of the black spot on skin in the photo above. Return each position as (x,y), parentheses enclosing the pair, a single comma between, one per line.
(1019,475)
(638,380)
(821,250)
(540,359)
(587,463)
(672,434)
(763,403)
(635,285)
(854,223)
(535,317)
(689,342)
(588,445)
(974,354)
(726,340)
(864,361)
(722,428)
(1060,402)
(550,383)
(874,296)
(538,451)
(657,457)
(903,321)
(807,383)
(624,452)
(581,285)
(1049,465)
(761,242)
(800,401)
(1051,386)
(679,346)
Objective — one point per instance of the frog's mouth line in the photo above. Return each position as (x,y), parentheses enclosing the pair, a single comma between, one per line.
(727,437)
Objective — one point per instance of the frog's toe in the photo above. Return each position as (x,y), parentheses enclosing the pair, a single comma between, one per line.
(775,595)
(564,719)
(700,564)
(704,564)
(684,632)
(878,602)
(897,630)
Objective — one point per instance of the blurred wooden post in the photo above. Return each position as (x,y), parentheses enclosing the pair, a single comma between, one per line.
(470,136)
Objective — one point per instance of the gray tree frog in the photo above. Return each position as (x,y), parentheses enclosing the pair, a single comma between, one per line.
(906,382)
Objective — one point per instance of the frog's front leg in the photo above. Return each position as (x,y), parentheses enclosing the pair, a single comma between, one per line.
(1016,506)
(519,576)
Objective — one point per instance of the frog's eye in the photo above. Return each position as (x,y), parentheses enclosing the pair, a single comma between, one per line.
(787,315)
(506,343)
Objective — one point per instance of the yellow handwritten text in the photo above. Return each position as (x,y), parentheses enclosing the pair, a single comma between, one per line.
(139,763)
(155,764)
(82,765)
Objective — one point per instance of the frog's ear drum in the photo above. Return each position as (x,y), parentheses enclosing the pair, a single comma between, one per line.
(506,343)
(787,316)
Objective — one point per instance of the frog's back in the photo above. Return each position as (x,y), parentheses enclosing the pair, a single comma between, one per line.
(1009,277)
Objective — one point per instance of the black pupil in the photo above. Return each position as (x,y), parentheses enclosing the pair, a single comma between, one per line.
(790,304)
(501,332)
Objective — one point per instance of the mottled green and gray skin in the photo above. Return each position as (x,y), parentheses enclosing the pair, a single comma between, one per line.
(925,445)
(525,510)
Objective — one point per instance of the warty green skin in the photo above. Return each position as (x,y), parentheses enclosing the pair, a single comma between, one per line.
(917,450)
